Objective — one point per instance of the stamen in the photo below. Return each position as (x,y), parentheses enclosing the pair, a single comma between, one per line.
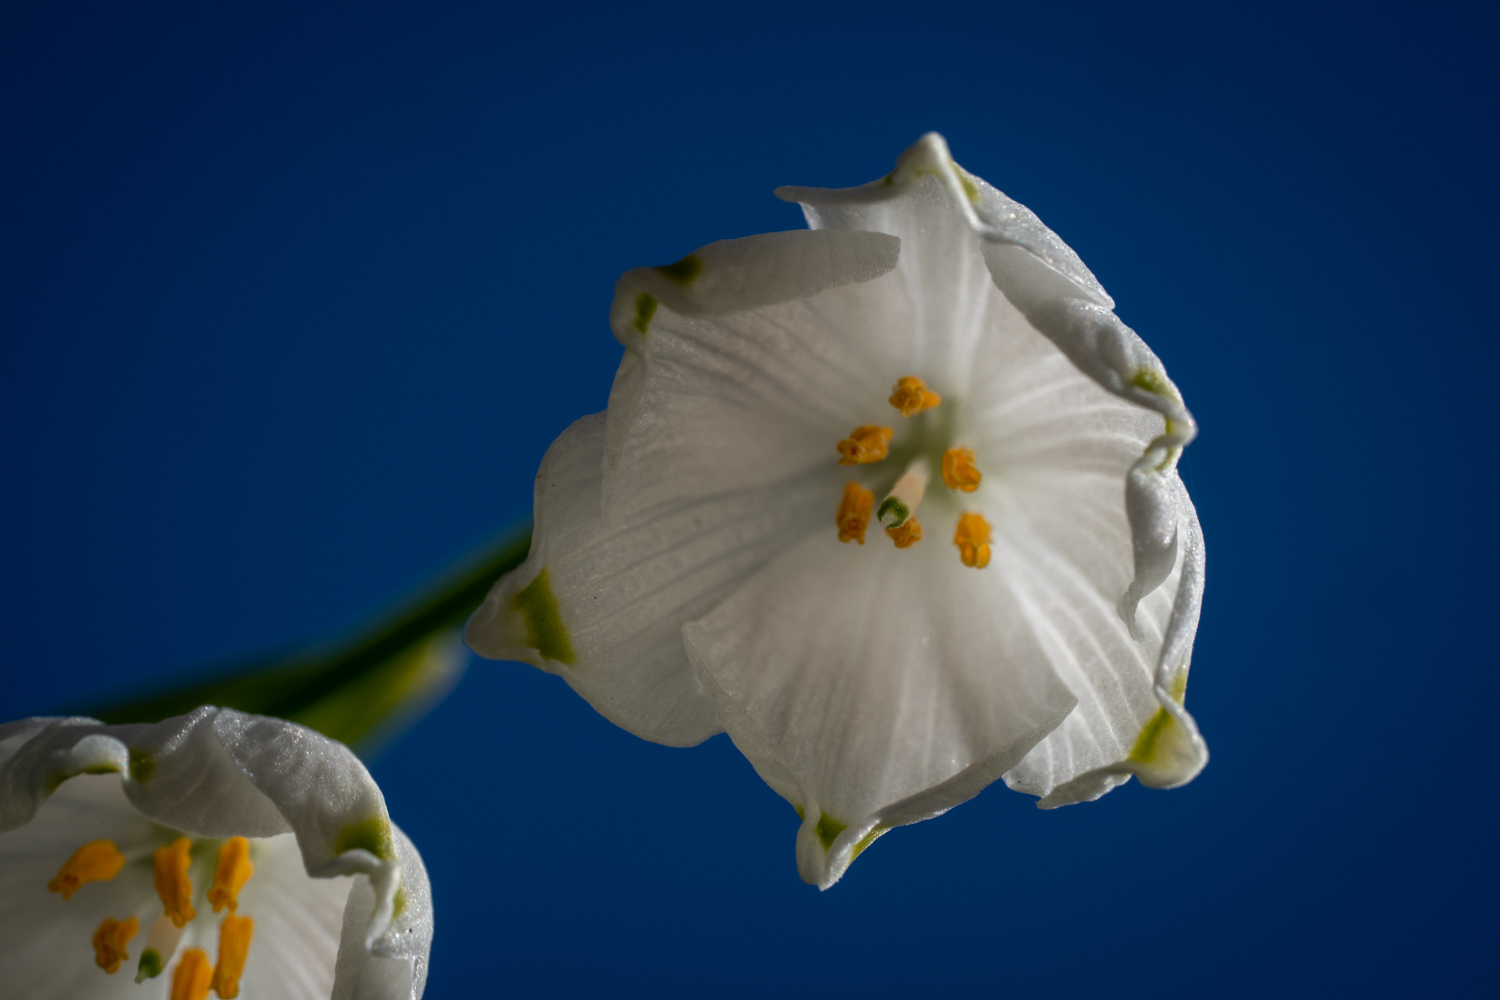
(193,975)
(905,496)
(959,471)
(854,513)
(234,945)
(866,444)
(911,396)
(973,540)
(172,882)
(96,861)
(906,534)
(110,941)
(233,871)
(161,945)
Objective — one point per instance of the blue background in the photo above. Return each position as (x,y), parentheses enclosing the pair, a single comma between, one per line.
(294,299)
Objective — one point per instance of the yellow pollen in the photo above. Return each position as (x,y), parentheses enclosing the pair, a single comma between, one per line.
(906,534)
(864,445)
(973,540)
(233,871)
(234,945)
(173,885)
(959,471)
(911,396)
(854,513)
(110,941)
(193,975)
(96,861)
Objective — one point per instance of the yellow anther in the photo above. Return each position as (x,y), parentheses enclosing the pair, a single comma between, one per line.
(854,513)
(959,471)
(96,861)
(233,871)
(234,945)
(911,396)
(864,445)
(110,941)
(973,540)
(172,882)
(906,534)
(193,976)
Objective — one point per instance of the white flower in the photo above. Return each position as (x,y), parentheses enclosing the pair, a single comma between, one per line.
(930,355)
(203,850)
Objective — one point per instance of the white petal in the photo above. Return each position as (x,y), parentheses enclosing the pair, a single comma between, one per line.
(53,753)
(297,924)
(898,204)
(47,939)
(330,801)
(1155,739)
(664,317)
(747,273)
(741,401)
(1109,352)
(892,686)
(398,970)
(14,734)
(607,614)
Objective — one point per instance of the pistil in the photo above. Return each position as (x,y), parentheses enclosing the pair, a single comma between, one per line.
(905,496)
(161,945)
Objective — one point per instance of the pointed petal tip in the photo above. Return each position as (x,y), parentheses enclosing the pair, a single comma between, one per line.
(1168,753)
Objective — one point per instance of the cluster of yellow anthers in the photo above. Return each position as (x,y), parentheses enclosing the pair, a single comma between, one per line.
(897,513)
(101,860)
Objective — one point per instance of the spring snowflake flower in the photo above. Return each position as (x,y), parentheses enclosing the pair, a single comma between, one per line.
(204,850)
(893,501)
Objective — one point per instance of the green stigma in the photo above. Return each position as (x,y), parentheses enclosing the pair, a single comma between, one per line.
(892,513)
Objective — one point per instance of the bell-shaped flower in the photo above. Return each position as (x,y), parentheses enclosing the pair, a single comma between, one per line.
(205,853)
(893,500)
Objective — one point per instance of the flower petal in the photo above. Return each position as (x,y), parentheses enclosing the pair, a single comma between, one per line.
(602,604)
(893,686)
(54,752)
(327,797)
(396,970)
(1106,739)
(297,924)
(735,402)
(47,939)
(928,183)
(1109,352)
(737,275)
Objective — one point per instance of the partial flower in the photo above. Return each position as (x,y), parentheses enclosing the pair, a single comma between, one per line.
(893,500)
(214,852)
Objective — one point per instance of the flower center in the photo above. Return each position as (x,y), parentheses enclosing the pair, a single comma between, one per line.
(101,861)
(871,444)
